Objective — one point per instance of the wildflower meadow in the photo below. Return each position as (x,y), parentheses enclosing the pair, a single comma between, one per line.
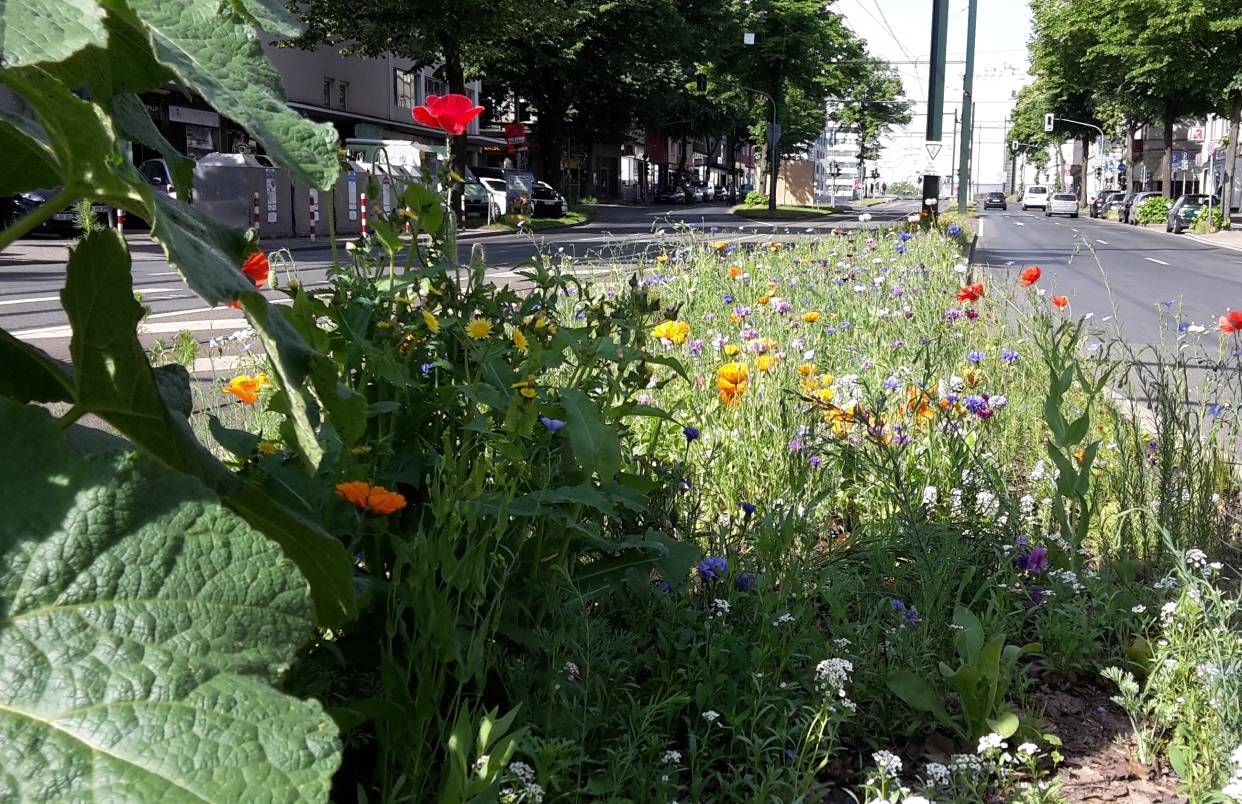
(842,518)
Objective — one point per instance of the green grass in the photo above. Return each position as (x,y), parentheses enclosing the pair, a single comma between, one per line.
(784,212)
(580,213)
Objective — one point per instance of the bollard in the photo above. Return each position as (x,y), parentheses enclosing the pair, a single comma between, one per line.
(120,221)
(313,215)
(364,213)
(256,212)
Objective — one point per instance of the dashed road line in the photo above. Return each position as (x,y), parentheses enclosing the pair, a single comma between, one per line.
(38,299)
(1103,242)
(1153,259)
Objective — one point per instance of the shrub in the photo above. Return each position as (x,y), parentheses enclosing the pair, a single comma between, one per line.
(1154,210)
(1216,222)
(756,198)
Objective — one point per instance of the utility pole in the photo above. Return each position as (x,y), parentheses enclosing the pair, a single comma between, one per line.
(968,92)
(953,148)
(935,104)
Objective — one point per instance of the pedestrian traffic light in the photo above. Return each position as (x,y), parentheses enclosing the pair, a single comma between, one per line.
(700,81)
(1049,121)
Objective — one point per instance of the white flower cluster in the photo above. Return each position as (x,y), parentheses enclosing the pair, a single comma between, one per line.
(888,762)
(720,607)
(711,715)
(937,775)
(966,764)
(1233,789)
(1068,578)
(1026,506)
(671,757)
(986,504)
(930,497)
(1196,559)
(530,790)
(833,674)
(991,742)
(572,671)
(784,619)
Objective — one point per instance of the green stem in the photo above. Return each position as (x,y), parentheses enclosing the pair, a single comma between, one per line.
(27,224)
(72,415)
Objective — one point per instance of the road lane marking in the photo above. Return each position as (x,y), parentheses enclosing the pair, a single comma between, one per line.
(1153,259)
(35,299)
(1103,242)
(1019,223)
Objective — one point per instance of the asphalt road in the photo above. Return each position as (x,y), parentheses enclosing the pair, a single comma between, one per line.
(32,271)
(1126,276)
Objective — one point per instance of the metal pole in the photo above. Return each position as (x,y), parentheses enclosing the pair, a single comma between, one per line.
(772,157)
(953,149)
(968,91)
(935,76)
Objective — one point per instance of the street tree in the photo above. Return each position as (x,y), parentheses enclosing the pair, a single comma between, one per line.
(875,108)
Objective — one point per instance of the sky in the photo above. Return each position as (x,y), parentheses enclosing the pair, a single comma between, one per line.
(900,31)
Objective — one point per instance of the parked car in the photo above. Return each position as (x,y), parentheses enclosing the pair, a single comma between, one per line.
(719,193)
(1062,204)
(476,199)
(1035,196)
(548,203)
(1135,204)
(1100,204)
(1123,204)
(995,200)
(498,191)
(1185,208)
(14,207)
(670,195)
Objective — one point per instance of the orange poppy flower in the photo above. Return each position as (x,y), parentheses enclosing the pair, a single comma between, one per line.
(257,268)
(970,293)
(1231,322)
(245,387)
(1030,275)
(374,500)
(731,381)
(1060,301)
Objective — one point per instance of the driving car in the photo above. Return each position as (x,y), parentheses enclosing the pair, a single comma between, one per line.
(1098,207)
(1035,196)
(1135,203)
(15,207)
(1062,204)
(670,195)
(548,203)
(995,200)
(1185,208)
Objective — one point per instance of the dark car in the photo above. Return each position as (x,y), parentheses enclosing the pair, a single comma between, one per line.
(1182,213)
(1133,209)
(996,200)
(1099,205)
(476,199)
(548,203)
(670,195)
(15,207)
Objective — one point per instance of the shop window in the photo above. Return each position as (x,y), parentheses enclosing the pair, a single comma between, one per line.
(343,95)
(433,86)
(328,86)
(405,88)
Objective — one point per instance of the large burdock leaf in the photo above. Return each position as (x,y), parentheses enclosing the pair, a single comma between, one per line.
(141,627)
(34,31)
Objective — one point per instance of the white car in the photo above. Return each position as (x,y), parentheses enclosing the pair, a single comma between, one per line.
(1035,196)
(499,192)
(1062,204)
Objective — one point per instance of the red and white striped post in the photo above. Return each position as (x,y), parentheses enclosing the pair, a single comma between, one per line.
(313,215)
(364,214)
(172,191)
(256,212)
(120,221)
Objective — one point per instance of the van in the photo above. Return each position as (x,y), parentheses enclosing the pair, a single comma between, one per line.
(1035,196)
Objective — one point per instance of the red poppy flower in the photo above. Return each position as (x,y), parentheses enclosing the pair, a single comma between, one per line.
(1232,322)
(1030,275)
(449,113)
(256,267)
(1060,301)
(970,293)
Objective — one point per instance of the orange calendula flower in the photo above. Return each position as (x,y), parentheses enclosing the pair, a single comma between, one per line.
(731,381)
(373,500)
(764,299)
(811,316)
(807,369)
(257,268)
(720,245)
(674,331)
(766,362)
(245,387)
(735,271)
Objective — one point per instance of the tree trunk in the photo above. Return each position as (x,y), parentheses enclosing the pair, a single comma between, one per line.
(1231,152)
(1086,161)
(551,131)
(587,179)
(1168,150)
(455,75)
(774,147)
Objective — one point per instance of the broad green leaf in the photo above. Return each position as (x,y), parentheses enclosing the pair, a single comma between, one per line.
(114,380)
(27,163)
(241,443)
(216,53)
(1006,725)
(594,443)
(208,254)
(35,31)
(582,494)
(126,64)
(969,633)
(30,375)
(141,628)
(920,695)
(270,15)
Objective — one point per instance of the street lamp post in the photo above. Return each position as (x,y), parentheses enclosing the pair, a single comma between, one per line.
(1084,158)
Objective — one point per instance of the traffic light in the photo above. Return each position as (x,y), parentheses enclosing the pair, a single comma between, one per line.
(1049,121)
(1014,146)
(700,82)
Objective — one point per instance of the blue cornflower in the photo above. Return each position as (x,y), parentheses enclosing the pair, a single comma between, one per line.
(1215,409)
(426,368)
(745,581)
(974,403)
(728,298)
(900,249)
(1182,326)
(691,433)
(552,424)
(976,356)
(1010,356)
(713,568)
(905,237)
(892,384)
(748,508)
(954,229)
(844,325)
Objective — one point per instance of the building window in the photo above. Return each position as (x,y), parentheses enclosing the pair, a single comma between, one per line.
(343,95)
(433,86)
(406,88)
(328,84)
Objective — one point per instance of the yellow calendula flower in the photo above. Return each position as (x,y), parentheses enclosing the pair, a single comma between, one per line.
(674,331)
(764,299)
(527,387)
(766,362)
(807,369)
(972,377)
(519,340)
(811,316)
(431,321)
(663,258)
(479,329)
(731,349)
(245,387)
(267,447)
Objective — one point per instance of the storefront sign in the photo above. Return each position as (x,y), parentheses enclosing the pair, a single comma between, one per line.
(269,176)
(195,117)
(515,135)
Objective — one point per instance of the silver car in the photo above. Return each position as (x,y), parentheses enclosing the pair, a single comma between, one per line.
(1062,204)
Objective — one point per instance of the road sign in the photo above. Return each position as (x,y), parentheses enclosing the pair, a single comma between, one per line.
(1110,165)
(774,133)
(1049,121)
(1197,133)
(933,149)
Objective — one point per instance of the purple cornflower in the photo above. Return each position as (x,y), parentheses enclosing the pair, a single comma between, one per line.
(426,368)
(976,356)
(815,461)
(713,568)
(696,346)
(954,229)
(745,581)
(1010,356)
(908,613)
(1215,409)
(552,424)
(952,314)
(900,249)
(748,508)
(974,403)
(892,383)
(1033,599)
(784,307)
(904,236)
(728,298)
(897,344)
(972,313)
(691,434)
(741,312)
(844,325)
(795,444)
(749,334)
